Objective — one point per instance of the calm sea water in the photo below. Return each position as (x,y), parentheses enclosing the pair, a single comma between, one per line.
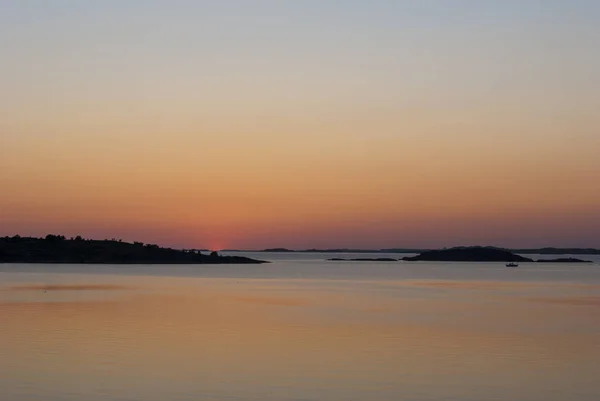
(300,329)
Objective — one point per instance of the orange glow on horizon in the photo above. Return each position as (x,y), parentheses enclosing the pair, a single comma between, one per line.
(346,138)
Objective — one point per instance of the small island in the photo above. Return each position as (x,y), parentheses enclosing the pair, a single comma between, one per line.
(276,250)
(58,249)
(482,254)
(468,254)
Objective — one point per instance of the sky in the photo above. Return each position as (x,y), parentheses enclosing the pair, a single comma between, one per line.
(300,124)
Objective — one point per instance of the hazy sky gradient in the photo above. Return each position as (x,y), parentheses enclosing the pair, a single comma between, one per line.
(250,124)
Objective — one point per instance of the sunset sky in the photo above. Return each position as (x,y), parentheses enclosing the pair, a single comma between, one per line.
(316,123)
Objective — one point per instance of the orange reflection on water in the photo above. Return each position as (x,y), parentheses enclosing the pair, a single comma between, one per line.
(69,287)
(219,338)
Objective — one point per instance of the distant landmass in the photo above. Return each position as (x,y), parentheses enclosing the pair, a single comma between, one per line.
(558,251)
(466,254)
(277,250)
(314,250)
(481,254)
(58,249)
(564,260)
(522,251)
(469,254)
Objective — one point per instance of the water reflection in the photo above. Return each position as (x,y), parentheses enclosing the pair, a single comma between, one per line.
(583,301)
(68,287)
(189,339)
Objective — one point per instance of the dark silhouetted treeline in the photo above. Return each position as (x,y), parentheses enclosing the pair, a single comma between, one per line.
(58,249)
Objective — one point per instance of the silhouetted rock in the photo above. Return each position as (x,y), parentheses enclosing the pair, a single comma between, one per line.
(564,260)
(57,249)
(469,254)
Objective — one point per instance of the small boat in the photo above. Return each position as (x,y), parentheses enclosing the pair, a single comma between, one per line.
(512,264)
